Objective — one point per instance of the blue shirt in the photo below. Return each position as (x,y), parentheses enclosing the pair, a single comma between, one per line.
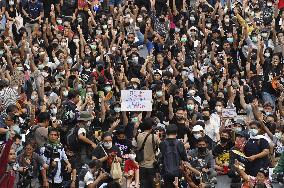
(33,9)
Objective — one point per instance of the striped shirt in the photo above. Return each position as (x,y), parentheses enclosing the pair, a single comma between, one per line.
(8,96)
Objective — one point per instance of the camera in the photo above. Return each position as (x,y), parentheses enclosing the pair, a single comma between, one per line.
(51,153)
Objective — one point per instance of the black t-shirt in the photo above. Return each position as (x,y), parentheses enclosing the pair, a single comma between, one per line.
(269,73)
(220,150)
(125,146)
(100,152)
(182,129)
(254,147)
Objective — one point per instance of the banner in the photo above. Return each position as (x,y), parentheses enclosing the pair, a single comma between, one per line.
(136,100)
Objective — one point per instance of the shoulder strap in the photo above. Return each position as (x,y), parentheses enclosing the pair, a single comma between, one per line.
(154,144)
(144,142)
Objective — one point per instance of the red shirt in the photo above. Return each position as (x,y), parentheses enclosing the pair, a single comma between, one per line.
(130,165)
(281,4)
(7,178)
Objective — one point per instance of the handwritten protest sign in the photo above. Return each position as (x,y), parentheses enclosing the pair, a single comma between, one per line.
(136,100)
(229,112)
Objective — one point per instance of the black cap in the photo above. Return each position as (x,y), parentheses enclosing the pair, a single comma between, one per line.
(171,129)
(242,134)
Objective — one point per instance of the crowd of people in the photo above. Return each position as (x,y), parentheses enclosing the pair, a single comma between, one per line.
(215,69)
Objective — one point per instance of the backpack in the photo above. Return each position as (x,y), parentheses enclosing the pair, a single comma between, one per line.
(72,139)
(171,160)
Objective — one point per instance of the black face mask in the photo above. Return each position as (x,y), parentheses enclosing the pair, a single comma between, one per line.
(202,149)
(167,81)
(206,118)
(224,140)
(162,20)
(179,118)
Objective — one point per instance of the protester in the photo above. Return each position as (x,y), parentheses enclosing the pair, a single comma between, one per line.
(212,68)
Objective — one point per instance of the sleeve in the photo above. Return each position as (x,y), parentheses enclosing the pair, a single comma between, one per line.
(98,153)
(263,144)
(118,152)
(40,7)
(42,154)
(40,160)
(211,161)
(215,150)
(82,131)
(63,155)
(182,152)
(4,157)
(89,178)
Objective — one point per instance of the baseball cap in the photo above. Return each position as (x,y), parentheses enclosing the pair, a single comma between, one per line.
(197,128)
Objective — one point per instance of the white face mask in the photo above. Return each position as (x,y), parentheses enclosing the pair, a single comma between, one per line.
(132,156)
(159,93)
(11,3)
(278,135)
(76,40)
(65,93)
(117,109)
(267,54)
(227,20)
(53,111)
(139,19)
(107,145)
(113,48)
(208,25)
(197,136)
(107,88)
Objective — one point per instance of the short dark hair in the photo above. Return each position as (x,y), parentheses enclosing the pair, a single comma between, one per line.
(255,123)
(201,139)
(11,108)
(147,123)
(72,94)
(52,129)
(105,134)
(43,116)
(3,84)
(171,129)
(95,163)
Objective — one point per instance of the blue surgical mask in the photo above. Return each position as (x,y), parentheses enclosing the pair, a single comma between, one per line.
(253,132)
(209,81)
(135,119)
(268,113)
(230,39)
(254,39)
(190,107)
(238,129)
(79,86)
(107,88)
(159,93)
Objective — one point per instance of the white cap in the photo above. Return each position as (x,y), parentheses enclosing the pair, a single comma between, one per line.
(197,128)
